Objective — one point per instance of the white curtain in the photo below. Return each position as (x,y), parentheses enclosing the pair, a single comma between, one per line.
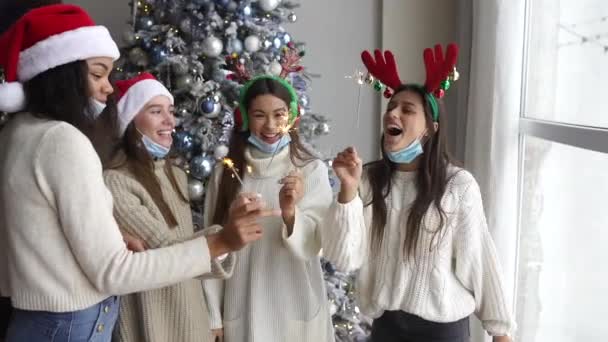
(491,150)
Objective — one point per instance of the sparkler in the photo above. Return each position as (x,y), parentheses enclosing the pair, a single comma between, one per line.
(230,164)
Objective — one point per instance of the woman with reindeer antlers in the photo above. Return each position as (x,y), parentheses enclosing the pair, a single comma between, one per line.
(276,292)
(413,222)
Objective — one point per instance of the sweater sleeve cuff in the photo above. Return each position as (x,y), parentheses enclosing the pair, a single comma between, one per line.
(222,266)
(303,241)
(343,235)
(499,328)
(343,214)
(215,320)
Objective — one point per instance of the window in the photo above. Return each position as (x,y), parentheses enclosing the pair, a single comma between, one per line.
(563,231)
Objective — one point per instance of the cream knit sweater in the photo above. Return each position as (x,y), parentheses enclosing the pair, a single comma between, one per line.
(60,247)
(177,312)
(459,276)
(277,292)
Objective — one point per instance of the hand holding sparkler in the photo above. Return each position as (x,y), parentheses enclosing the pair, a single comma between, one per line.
(242,226)
(290,194)
(348,168)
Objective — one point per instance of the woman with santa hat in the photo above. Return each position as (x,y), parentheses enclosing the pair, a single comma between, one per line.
(62,257)
(151,203)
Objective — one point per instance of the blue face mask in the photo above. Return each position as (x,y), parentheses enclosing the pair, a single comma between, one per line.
(94,108)
(269,148)
(156,150)
(407,154)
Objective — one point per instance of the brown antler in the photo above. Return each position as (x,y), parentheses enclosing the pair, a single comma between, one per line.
(438,67)
(239,70)
(384,68)
(290,61)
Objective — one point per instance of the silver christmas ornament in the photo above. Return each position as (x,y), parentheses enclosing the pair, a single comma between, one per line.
(252,44)
(184,83)
(275,68)
(128,37)
(268,5)
(212,47)
(232,6)
(234,46)
(181,111)
(292,17)
(139,57)
(196,190)
(220,152)
(322,129)
(145,23)
(201,167)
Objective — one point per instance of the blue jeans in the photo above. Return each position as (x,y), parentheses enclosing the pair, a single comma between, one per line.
(91,324)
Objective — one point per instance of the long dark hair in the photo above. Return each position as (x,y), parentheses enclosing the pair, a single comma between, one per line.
(431,181)
(133,156)
(62,93)
(299,154)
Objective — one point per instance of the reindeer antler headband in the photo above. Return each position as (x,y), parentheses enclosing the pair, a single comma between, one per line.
(290,62)
(440,72)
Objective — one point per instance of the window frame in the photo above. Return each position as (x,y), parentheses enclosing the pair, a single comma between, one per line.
(586,137)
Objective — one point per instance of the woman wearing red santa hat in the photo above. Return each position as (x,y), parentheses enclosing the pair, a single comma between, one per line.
(62,257)
(151,203)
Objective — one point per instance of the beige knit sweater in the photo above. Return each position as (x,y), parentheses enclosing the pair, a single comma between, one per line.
(177,312)
(60,247)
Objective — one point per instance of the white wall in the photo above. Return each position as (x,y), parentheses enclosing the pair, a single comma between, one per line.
(115,14)
(336,32)
(410,26)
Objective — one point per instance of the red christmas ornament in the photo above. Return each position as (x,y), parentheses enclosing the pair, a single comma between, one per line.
(388,93)
(439,93)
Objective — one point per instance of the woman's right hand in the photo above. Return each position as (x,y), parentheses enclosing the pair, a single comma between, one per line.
(348,167)
(218,335)
(133,243)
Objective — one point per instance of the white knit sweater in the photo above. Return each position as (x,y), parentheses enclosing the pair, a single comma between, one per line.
(60,247)
(276,292)
(458,276)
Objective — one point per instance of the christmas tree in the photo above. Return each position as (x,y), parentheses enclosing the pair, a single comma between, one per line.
(197,49)
(200,49)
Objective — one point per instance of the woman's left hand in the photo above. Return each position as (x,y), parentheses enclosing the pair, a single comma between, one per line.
(501,339)
(290,194)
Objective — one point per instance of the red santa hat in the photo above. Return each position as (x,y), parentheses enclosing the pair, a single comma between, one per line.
(134,94)
(44,38)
